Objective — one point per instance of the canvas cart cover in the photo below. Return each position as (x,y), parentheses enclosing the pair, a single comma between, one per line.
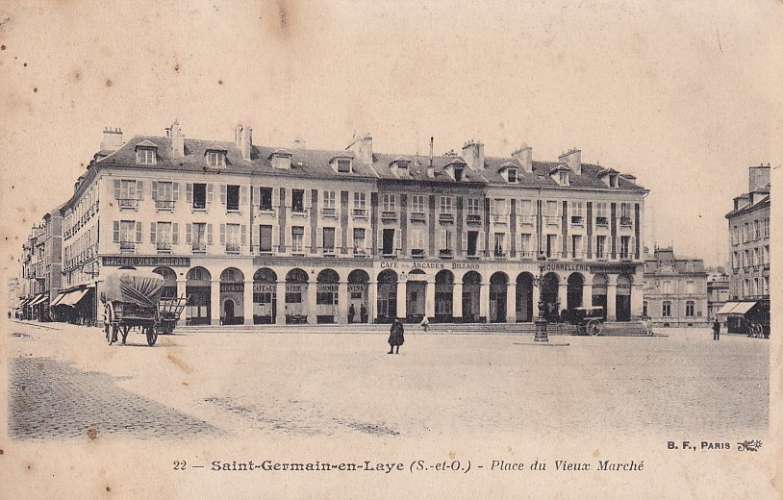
(135,287)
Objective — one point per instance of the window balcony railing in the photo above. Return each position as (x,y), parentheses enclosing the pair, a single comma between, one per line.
(420,217)
(127,246)
(601,221)
(499,253)
(446,253)
(328,212)
(552,220)
(472,255)
(328,251)
(298,210)
(165,205)
(388,252)
(625,255)
(359,213)
(360,253)
(199,248)
(577,220)
(163,247)
(473,219)
(625,221)
(578,255)
(498,219)
(526,219)
(446,218)
(128,203)
(389,216)
(232,248)
(417,253)
(527,254)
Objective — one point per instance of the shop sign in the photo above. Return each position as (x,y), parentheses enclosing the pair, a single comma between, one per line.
(434,265)
(264,287)
(294,287)
(566,266)
(139,261)
(356,287)
(328,287)
(232,287)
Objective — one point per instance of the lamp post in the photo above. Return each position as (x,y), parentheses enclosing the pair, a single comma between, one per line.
(541,335)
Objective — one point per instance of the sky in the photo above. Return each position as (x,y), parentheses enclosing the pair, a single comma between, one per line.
(683,95)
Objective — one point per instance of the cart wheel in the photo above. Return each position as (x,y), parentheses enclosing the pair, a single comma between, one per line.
(152,336)
(593,328)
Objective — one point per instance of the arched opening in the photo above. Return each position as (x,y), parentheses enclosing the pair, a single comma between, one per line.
(549,295)
(357,295)
(574,297)
(498,297)
(444,293)
(328,282)
(232,289)
(387,296)
(264,296)
(599,292)
(198,292)
(415,295)
(295,296)
(525,297)
(471,297)
(169,282)
(623,298)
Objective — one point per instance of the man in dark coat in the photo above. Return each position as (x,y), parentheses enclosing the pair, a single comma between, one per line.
(363,313)
(716,330)
(351,313)
(396,336)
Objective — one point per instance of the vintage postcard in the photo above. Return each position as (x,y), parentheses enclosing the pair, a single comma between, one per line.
(357,249)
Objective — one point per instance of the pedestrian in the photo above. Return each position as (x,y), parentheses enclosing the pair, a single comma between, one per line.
(363,313)
(351,313)
(716,330)
(396,336)
(425,324)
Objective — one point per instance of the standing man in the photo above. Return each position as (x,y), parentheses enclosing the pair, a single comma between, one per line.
(716,330)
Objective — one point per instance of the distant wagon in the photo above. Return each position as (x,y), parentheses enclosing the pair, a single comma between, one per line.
(131,299)
(588,320)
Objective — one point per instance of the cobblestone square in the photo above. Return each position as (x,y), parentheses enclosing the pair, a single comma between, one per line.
(66,381)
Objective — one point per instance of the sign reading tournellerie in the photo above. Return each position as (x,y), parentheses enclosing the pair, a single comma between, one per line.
(135,260)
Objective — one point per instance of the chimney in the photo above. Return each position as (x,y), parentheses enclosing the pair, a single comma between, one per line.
(758,178)
(524,155)
(177,140)
(362,148)
(112,139)
(243,138)
(473,154)
(573,159)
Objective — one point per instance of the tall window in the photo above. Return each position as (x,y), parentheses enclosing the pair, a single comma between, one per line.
(265,198)
(625,243)
(232,238)
(417,203)
(600,246)
(666,310)
(297,239)
(330,201)
(499,240)
(232,198)
(550,215)
(127,234)
(576,246)
(328,240)
(360,204)
(359,241)
(163,236)
(667,287)
(198,237)
(127,190)
(498,208)
(577,214)
(524,246)
(446,204)
(625,214)
(265,238)
(389,203)
(165,193)
(690,307)
(417,242)
(472,243)
(526,211)
(447,245)
(297,201)
(199,196)
(474,206)
(601,219)
(551,245)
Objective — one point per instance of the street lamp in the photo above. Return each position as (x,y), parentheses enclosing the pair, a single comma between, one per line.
(541,335)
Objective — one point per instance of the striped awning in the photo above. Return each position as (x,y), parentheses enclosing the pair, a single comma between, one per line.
(57,299)
(73,298)
(735,308)
(39,299)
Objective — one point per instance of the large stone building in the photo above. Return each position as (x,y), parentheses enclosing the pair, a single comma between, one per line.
(675,292)
(749,253)
(257,234)
(717,291)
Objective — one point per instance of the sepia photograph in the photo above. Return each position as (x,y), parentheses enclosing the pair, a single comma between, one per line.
(357,249)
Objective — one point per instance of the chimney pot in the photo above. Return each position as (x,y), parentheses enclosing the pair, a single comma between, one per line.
(112,139)
(473,154)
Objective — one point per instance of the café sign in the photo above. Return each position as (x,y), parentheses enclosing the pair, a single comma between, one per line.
(141,261)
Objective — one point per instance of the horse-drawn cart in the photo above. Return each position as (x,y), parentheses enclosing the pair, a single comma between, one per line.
(131,299)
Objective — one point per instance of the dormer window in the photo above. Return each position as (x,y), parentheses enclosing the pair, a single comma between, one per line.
(216,158)
(459,172)
(281,159)
(512,175)
(343,163)
(613,181)
(344,166)
(563,178)
(145,156)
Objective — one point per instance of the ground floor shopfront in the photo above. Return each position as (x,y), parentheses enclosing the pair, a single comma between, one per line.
(290,290)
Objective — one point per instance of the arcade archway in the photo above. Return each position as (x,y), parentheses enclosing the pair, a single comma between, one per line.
(444,296)
(357,296)
(232,289)
(296,296)
(471,296)
(328,282)
(387,296)
(264,296)
(524,302)
(550,285)
(498,297)
(198,291)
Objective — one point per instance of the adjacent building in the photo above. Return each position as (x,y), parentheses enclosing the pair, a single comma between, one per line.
(717,292)
(259,234)
(749,253)
(675,292)
(42,267)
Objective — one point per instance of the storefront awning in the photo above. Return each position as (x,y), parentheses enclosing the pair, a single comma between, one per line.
(727,308)
(73,298)
(57,299)
(23,303)
(736,308)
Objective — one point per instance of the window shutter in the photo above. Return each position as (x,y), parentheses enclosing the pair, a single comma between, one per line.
(189,192)
(209,192)
(222,234)
(155,190)
(138,232)
(209,234)
(242,196)
(188,230)
(116,189)
(465,242)
(139,190)
(152,232)
(256,197)
(116,232)
(175,233)
(244,234)
(175,191)
(222,194)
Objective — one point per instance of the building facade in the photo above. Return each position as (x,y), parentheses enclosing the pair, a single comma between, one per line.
(717,292)
(675,292)
(749,253)
(257,234)
(41,262)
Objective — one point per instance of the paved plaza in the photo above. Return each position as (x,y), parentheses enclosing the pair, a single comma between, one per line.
(66,381)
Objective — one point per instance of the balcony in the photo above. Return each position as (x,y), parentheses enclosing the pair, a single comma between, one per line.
(298,210)
(473,219)
(163,247)
(165,205)
(527,254)
(328,251)
(625,221)
(128,204)
(329,212)
(552,220)
(577,220)
(389,216)
(446,218)
(127,247)
(417,253)
(199,248)
(418,217)
(498,219)
(359,213)
(446,253)
(601,221)
(232,248)
(388,253)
